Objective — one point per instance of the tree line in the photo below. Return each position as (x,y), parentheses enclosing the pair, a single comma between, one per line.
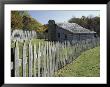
(89,22)
(22,20)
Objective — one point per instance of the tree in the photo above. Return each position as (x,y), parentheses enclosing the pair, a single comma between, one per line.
(19,19)
(23,20)
(90,22)
(16,20)
(33,24)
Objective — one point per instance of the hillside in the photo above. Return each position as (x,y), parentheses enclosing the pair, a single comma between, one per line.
(86,65)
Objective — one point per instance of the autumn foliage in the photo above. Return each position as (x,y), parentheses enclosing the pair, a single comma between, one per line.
(22,20)
(16,20)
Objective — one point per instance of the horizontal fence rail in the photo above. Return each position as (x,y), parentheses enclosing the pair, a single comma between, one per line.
(44,59)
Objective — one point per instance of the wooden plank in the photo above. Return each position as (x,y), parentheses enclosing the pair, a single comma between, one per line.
(11,65)
(17,60)
(35,57)
(39,61)
(47,50)
(57,53)
(64,54)
(53,59)
(50,59)
(44,61)
(24,60)
(30,60)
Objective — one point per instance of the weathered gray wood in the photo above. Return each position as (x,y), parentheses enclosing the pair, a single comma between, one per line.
(44,61)
(24,60)
(53,59)
(39,61)
(57,55)
(50,59)
(17,60)
(11,65)
(47,59)
(30,60)
(64,54)
(35,57)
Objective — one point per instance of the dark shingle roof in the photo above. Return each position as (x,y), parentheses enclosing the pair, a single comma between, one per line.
(73,27)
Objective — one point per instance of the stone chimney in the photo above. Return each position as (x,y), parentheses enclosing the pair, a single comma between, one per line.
(51,30)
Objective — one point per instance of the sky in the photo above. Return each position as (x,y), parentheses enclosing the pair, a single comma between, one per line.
(59,16)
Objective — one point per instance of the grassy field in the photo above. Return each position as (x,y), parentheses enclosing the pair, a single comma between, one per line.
(86,65)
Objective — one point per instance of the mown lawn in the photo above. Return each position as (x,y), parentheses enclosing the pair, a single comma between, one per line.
(86,65)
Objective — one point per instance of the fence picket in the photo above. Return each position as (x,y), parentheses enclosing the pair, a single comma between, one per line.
(39,61)
(44,61)
(24,60)
(47,59)
(30,60)
(35,57)
(17,60)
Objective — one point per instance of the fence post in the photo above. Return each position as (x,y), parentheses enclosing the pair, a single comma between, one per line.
(50,59)
(39,62)
(16,60)
(47,58)
(30,59)
(12,61)
(35,57)
(63,55)
(24,60)
(57,57)
(44,61)
(53,58)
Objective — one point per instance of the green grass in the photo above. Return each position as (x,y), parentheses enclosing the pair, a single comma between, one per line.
(86,65)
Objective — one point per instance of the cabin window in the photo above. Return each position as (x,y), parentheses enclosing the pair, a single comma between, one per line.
(65,36)
(95,35)
(58,35)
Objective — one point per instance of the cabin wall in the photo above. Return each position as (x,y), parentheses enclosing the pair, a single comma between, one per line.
(84,36)
(62,35)
(72,36)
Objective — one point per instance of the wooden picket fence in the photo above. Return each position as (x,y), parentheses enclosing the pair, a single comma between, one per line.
(44,59)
